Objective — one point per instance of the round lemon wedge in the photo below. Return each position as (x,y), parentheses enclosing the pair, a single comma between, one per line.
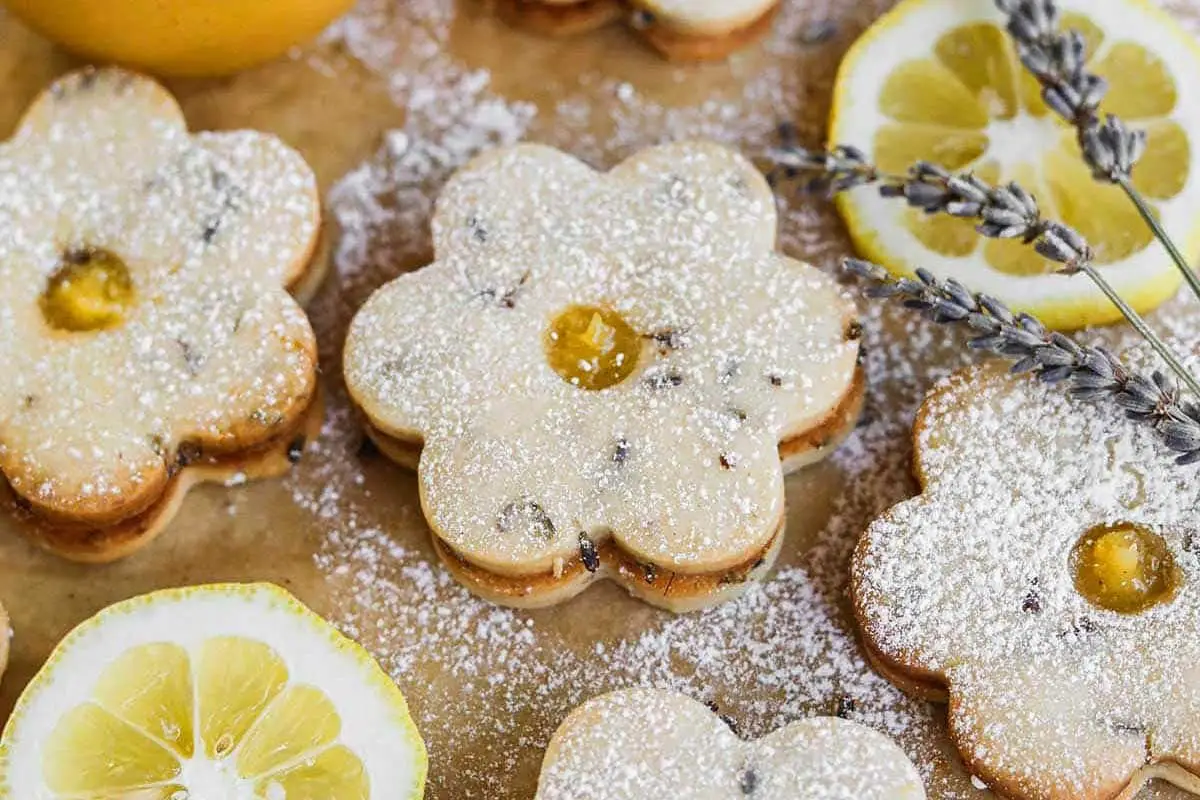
(939,80)
(236,692)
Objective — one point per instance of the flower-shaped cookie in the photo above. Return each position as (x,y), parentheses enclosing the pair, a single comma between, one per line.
(1046,582)
(604,371)
(682,30)
(640,743)
(146,334)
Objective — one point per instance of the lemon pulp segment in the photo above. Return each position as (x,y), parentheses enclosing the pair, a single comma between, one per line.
(161,719)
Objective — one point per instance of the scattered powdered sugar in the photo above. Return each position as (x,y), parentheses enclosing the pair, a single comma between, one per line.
(973,582)
(731,349)
(489,685)
(640,743)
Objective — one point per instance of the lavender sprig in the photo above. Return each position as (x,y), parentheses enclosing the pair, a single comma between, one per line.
(1092,372)
(1000,212)
(1057,59)
(835,171)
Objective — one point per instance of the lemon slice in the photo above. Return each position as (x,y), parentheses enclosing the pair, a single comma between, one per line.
(939,80)
(235,692)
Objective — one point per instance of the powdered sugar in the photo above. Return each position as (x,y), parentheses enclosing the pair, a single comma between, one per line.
(488,685)
(731,350)
(642,743)
(972,583)
(209,350)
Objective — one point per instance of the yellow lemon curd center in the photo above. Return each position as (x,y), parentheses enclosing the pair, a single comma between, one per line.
(91,290)
(592,347)
(1124,568)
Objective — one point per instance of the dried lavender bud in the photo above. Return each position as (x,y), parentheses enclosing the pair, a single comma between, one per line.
(748,782)
(1092,372)
(1005,212)
(840,169)
(670,338)
(1058,60)
(621,452)
(663,379)
(844,707)
(587,553)
(295,450)
(525,515)
(1032,604)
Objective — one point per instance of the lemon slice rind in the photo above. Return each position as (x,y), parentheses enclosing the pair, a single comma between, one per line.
(876,224)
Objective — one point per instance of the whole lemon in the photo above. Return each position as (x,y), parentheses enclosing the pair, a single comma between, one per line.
(179,37)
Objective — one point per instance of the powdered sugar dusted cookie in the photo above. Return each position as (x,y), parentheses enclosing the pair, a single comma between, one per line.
(1045,581)
(146,334)
(604,371)
(642,743)
(683,30)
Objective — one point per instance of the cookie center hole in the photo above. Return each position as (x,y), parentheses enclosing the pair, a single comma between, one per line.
(592,347)
(90,290)
(1124,568)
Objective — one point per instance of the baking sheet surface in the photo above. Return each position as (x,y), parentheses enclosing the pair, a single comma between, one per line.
(385,106)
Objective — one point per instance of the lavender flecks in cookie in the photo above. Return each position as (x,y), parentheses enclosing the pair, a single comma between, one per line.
(651,302)
(131,250)
(639,743)
(1019,480)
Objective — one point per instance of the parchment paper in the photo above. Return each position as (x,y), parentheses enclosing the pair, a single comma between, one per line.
(345,532)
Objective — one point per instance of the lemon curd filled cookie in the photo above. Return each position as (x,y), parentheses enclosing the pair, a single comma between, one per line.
(1044,582)
(602,373)
(681,30)
(640,743)
(146,332)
